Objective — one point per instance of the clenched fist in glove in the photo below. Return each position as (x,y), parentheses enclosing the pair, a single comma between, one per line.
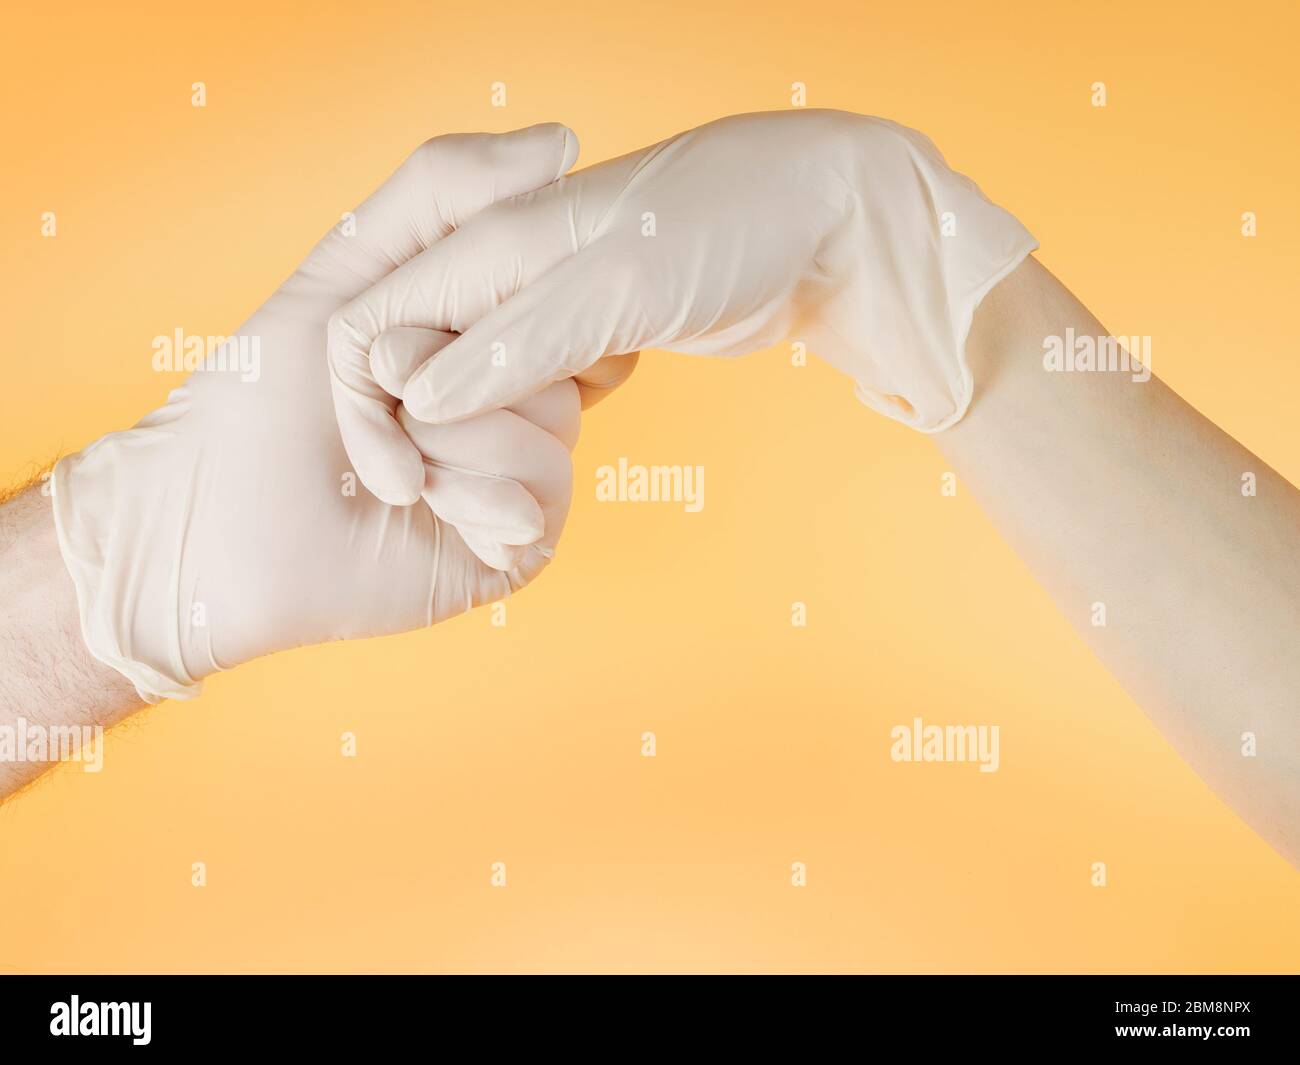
(224,525)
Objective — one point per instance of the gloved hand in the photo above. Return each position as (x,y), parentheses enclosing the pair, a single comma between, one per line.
(846,232)
(227,524)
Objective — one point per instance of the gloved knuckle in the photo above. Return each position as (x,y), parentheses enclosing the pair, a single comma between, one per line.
(432,153)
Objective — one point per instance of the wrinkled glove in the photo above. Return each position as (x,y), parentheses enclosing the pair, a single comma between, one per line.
(227,524)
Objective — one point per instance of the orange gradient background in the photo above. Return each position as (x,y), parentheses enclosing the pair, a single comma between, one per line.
(521,744)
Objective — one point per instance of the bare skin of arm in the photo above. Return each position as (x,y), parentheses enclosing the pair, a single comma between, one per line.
(47,677)
(1115,491)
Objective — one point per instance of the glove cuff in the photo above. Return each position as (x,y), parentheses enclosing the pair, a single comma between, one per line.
(938,246)
(114,531)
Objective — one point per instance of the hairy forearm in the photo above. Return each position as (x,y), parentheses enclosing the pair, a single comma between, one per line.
(1116,492)
(49,683)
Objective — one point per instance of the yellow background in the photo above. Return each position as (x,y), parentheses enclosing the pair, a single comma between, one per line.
(521,744)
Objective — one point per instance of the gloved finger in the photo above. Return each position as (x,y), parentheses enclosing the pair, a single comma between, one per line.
(490,551)
(606,300)
(501,507)
(485,168)
(442,184)
(398,352)
(556,409)
(603,376)
(503,444)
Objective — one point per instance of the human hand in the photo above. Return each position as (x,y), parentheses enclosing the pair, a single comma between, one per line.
(227,523)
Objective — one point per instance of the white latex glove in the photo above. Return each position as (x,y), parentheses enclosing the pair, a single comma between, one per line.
(225,525)
(827,227)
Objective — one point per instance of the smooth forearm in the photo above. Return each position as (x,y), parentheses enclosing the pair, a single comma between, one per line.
(1116,492)
(51,689)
